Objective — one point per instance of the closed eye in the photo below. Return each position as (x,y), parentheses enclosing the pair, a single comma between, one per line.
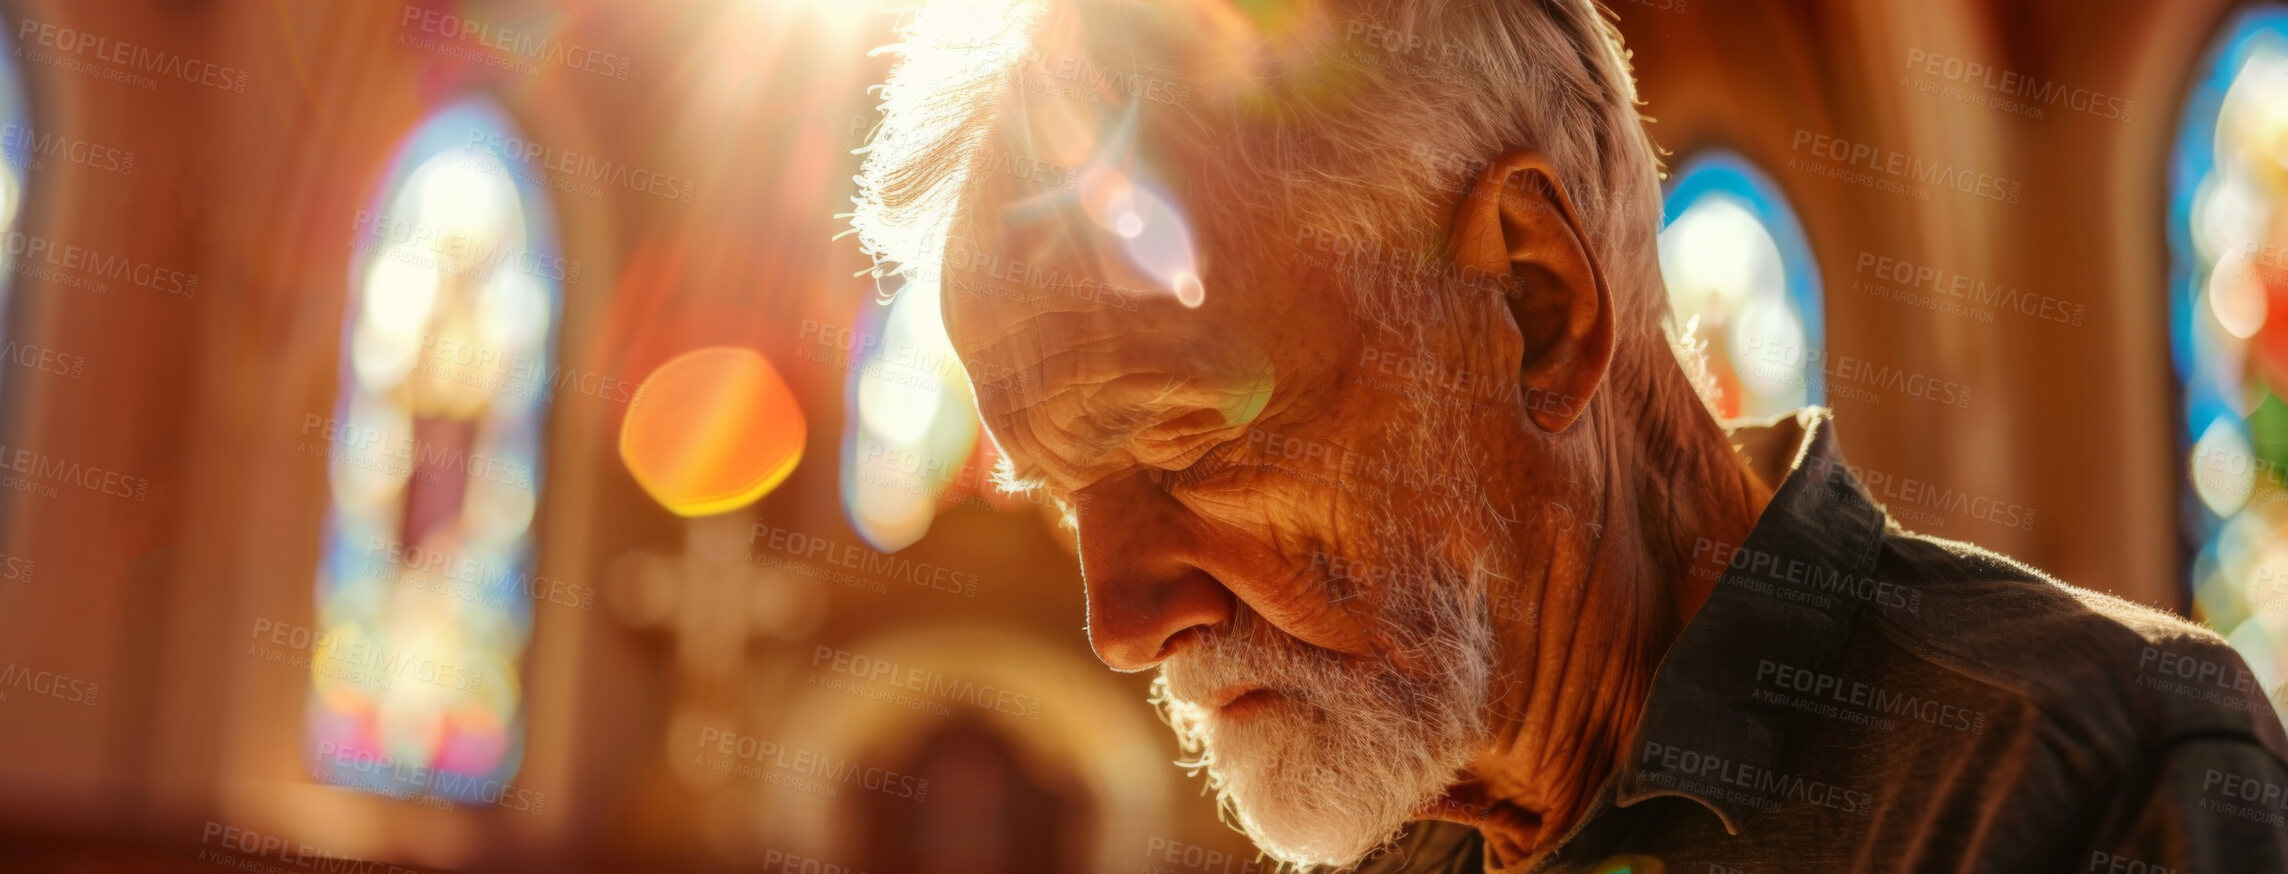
(1218,462)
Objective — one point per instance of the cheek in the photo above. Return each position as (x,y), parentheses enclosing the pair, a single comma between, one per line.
(1343,513)
(1303,568)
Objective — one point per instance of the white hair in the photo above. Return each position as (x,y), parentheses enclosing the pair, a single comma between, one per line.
(1429,90)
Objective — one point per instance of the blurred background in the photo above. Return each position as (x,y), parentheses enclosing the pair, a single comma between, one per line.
(453,435)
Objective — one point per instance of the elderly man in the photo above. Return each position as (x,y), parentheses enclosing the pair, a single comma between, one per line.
(1340,330)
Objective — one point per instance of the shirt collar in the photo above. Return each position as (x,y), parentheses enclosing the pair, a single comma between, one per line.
(1700,736)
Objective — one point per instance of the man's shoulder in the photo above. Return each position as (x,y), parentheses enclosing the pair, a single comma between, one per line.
(2099,666)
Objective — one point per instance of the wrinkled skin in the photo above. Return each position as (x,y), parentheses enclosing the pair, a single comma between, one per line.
(1220,462)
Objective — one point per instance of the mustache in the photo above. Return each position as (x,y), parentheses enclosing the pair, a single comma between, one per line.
(1246,651)
(1249,652)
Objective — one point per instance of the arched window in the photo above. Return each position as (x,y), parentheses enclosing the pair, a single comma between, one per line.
(2228,241)
(910,438)
(424,597)
(19,147)
(1735,260)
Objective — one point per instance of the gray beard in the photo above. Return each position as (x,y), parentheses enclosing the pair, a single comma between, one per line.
(1351,749)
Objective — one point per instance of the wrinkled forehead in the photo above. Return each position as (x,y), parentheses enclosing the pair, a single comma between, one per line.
(1076,200)
(1111,149)
(1095,273)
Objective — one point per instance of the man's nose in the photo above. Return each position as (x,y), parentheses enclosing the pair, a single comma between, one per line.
(1144,592)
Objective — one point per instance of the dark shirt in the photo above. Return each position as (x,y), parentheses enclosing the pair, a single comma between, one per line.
(1858,697)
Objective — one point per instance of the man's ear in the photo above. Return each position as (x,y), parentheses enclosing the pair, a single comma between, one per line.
(1517,222)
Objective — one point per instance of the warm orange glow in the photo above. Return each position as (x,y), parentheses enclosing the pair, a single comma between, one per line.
(715,430)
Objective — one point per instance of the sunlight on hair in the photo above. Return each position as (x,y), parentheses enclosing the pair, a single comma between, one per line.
(969,22)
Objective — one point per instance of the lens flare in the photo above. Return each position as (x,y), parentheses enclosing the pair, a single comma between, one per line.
(1189,291)
(714,429)
(1150,228)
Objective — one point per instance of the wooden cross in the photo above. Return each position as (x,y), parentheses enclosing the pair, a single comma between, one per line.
(713,601)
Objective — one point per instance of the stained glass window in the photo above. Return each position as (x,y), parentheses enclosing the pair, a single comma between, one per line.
(911,434)
(1738,268)
(20,149)
(425,592)
(2228,241)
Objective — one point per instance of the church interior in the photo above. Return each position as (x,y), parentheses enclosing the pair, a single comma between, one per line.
(376,374)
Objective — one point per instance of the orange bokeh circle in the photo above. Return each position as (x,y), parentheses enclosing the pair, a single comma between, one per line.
(712,430)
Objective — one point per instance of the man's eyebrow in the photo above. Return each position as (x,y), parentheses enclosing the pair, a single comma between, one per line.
(1019,478)
(1033,487)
